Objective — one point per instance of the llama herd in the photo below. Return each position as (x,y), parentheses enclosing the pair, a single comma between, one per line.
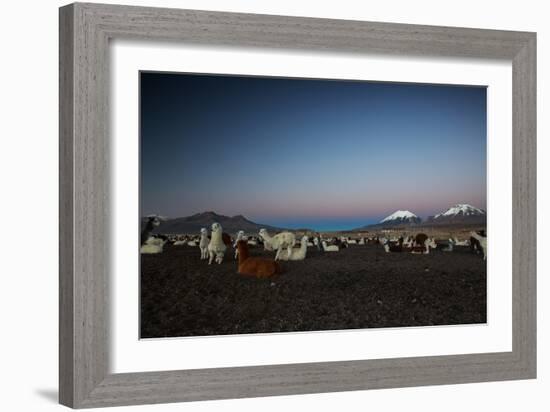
(213,247)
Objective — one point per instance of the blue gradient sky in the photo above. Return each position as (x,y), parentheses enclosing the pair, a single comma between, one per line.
(309,153)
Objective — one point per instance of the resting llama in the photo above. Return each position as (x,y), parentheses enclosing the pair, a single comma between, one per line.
(255,266)
(297,253)
(152,245)
(395,246)
(279,242)
(329,248)
(465,242)
(203,243)
(180,242)
(216,246)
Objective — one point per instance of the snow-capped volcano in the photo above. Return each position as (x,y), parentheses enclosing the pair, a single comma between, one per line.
(401,216)
(461,213)
(462,210)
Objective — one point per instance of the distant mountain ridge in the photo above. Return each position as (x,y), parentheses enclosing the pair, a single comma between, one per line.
(194,223)
(457,214)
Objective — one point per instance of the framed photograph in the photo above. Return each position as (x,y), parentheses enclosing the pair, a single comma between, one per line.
(256,205)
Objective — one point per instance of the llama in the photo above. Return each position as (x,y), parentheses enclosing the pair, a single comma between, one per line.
(475,246)
(152,245)
(394,245)
(152,222)
(240,236)
(420,239)
(461,242)
(279,242)
(203,243)
(449,247)
(408,242)
(423,248)
(482,243)
(374,241)
(267,243)
(331,248)
(297,253)
(317,242)
(255,266)
(216,246)
(226,238)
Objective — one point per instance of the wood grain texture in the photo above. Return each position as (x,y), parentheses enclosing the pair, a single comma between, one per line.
(85,31)
(524,225)
(66,229)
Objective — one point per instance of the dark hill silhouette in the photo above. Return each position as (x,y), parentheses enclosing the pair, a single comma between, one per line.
(194,223)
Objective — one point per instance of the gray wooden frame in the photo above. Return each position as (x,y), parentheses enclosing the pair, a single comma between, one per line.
(85,31)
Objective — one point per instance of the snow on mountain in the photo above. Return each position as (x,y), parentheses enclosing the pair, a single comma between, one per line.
(461,213)
(402,216)
(461,210)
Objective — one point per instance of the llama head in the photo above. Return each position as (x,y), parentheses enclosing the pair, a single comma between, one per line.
(216,227)
(155,221)
(204,231)
(263,232)
(240,233)
(305,239)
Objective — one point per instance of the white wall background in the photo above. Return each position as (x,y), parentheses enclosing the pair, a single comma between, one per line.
(28,166)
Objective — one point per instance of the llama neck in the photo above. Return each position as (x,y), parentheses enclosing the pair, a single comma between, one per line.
(216,235)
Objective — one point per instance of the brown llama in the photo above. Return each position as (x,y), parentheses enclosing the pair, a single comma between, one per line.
(420,239)
(255,266)
(226,238)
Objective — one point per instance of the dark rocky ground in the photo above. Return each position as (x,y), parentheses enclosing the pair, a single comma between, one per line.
(358,287)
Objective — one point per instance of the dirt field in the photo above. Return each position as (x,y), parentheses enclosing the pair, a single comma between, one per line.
(358,287)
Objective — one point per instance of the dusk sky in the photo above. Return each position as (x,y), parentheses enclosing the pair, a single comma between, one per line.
(322,154)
